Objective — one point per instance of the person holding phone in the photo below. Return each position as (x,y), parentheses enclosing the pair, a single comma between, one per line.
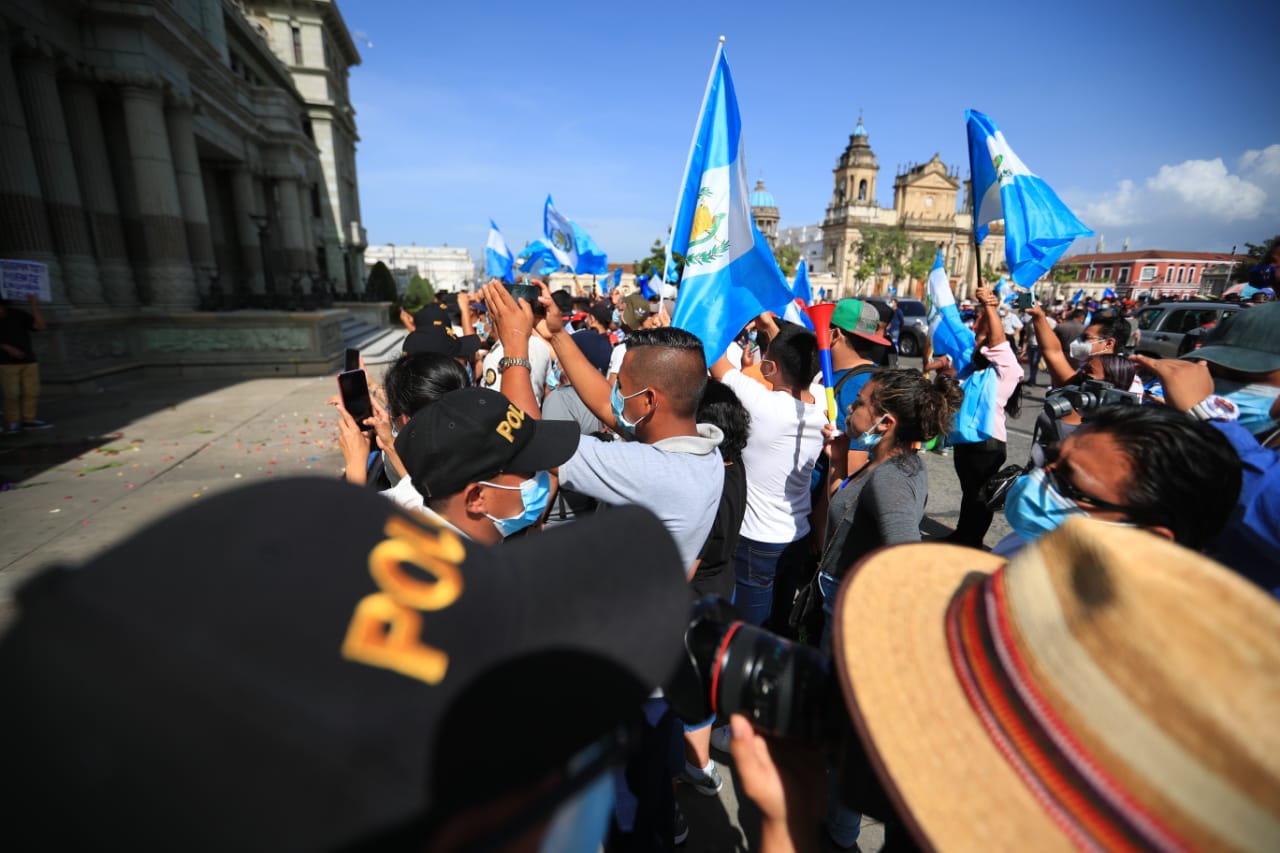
(534,355)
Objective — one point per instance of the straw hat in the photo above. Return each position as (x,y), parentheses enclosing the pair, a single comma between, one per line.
(1106,687)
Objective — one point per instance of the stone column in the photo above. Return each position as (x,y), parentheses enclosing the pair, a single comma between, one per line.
(295,255)
(24,224)
(93,166)
(56,169)
(308,237)
(166,277)
(186,163)
(246,231)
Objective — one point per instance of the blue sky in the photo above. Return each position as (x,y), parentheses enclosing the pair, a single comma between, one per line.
(1154,120)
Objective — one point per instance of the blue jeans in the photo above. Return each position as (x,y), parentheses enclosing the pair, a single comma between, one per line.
(756,567)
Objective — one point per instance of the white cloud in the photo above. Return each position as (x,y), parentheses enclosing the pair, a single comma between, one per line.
(1194,190)
(1263,165)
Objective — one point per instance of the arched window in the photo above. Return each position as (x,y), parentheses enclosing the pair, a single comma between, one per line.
(862,190)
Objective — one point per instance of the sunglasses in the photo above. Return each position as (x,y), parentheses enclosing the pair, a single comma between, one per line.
(1048,461)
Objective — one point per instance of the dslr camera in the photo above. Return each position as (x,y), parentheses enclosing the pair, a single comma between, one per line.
(785,688)
(1085,397)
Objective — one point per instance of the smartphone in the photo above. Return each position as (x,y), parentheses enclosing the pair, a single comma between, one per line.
(353,360)
(527,292)
(354,388)
(1026,300)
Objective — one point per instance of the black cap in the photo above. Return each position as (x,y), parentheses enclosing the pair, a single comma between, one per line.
(603,312)
(441,339)
(433,314)
(475,433)
(301,665)
(595,347)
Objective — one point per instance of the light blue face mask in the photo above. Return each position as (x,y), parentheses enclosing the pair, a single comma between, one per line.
(535,493)
(616,401)
(1254,400)
(868,439)
(553,376)
(1034,507)
(617,317)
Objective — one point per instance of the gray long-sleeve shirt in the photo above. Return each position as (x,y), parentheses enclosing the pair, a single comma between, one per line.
(884,507)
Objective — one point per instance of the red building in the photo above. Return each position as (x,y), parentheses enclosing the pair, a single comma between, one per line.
(1155,272)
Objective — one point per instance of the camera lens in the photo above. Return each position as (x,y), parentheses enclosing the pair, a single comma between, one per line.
(784,688)
(1057,406)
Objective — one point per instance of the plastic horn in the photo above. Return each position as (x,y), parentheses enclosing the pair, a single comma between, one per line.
(820,315)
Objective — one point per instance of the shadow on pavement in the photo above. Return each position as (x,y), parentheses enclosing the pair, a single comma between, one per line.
(88,428)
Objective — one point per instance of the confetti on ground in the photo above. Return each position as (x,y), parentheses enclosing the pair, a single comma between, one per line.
(167,459)
(52,511)
(196,495)
(236,477)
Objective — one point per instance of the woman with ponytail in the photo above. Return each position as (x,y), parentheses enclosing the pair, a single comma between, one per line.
(882,502)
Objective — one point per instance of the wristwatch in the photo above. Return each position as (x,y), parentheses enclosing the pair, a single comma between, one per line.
(505,362)
(1214,408)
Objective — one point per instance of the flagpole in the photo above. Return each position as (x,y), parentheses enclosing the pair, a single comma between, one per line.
(688,163)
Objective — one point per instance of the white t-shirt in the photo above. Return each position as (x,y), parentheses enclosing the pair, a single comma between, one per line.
(539,357)
(615,358)
(786,438)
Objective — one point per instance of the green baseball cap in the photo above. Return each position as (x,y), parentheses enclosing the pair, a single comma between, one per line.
(1248,341)
(860,318)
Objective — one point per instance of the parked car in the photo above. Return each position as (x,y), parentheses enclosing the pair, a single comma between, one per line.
(1161,330)
(915,324)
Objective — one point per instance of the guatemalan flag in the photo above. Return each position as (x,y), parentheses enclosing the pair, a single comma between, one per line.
(591,258)
(559,233)
(1038,227)
(497,257)
(803,296)
(610,281)
(730,275)
(947,332)
(539,258)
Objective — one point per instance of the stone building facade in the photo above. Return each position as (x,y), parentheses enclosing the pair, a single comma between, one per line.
(160,155)
(446,267)
(924,204)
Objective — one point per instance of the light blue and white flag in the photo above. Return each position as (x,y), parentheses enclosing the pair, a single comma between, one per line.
(1108,294)
(559,233)
(497,257)
(730,275)
(610,281)
(1079,294)
(949,334)
(1004,292)
(591,258)
(539,258)
(802,296)
(1038,227)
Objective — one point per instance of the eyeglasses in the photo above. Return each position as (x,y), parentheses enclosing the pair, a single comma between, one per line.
(1067,489)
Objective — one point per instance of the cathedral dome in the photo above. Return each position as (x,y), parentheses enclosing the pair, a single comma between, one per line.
(761,197)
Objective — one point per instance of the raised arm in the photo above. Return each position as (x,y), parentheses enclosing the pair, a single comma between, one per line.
(592,388)
(1060,369)
(513,323)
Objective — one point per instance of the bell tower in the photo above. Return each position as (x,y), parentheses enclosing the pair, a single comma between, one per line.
(856,170)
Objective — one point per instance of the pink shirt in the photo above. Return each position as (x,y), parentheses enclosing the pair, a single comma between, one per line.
(1008,370)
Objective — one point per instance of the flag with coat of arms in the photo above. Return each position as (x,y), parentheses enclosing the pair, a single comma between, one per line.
(1038,227)
(558,230)
(730,275)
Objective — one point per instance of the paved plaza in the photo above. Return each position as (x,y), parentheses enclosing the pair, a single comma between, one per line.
(120,458)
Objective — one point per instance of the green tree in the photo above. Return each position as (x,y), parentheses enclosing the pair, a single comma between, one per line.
(923,255)
(1257,254)
(1065,273)
(656,261)
(417,294)
(381,287)
(788,258)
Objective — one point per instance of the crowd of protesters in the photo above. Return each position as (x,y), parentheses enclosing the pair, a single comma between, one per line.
(770,505)
(1106,673)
